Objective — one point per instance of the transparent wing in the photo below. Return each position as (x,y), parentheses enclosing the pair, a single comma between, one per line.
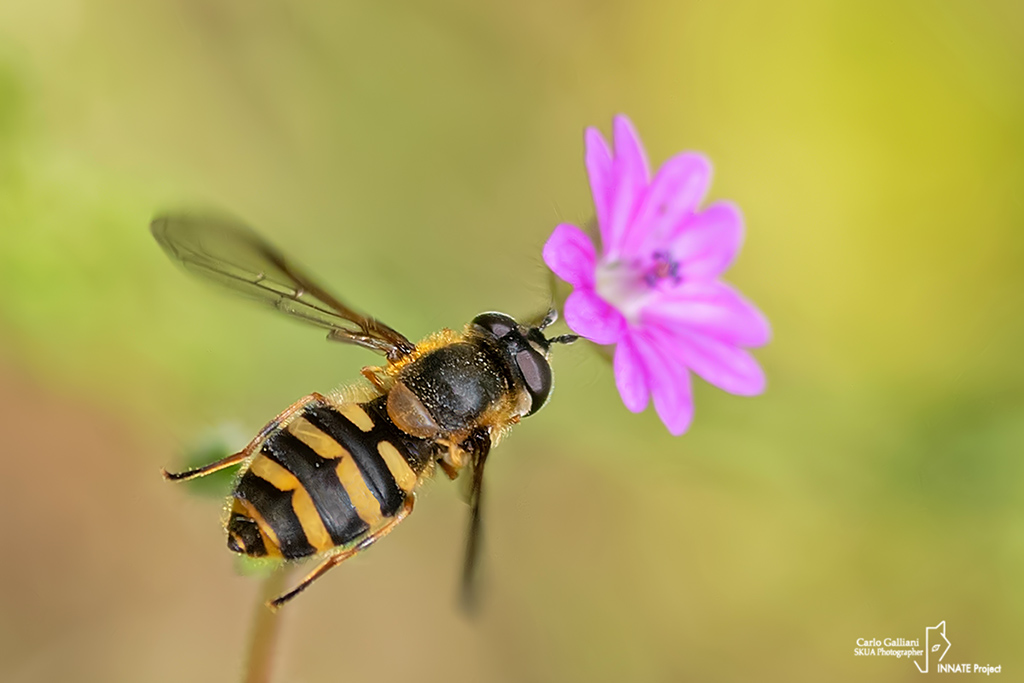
(232,254)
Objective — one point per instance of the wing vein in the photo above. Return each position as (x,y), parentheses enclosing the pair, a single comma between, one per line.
(229,253)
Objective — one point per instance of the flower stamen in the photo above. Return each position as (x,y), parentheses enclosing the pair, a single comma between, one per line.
(664,267)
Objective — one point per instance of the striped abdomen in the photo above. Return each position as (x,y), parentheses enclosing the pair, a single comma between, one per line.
(329,477)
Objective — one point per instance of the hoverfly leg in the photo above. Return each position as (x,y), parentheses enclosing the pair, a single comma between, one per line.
(370,373)
(448,470)
(188,475)
(241,455)
(478,445)
(453,460)
(337,558)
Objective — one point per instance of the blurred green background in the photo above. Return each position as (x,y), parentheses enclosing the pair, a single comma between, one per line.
(416,156)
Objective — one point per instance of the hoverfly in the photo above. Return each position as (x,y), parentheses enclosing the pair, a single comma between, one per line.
(333,474)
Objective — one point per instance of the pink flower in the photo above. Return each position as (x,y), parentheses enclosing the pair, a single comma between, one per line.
(654,291)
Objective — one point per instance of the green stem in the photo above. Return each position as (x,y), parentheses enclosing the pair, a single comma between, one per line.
(265,627)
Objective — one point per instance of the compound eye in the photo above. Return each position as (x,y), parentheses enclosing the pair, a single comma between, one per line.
(537,375)
(497,324)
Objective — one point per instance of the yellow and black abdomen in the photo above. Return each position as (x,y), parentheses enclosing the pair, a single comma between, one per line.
(330,476)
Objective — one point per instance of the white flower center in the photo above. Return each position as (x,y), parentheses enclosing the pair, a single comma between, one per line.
(630,286)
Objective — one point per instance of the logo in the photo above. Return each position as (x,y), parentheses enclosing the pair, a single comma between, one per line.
(936,647)
(932,634)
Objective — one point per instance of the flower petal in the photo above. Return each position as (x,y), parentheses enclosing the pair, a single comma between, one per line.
(711,308)
(631,376)
(630,177)
(669,380)
(677,191)
(706,244)
(599,172)
(571,255)
(723,365)
(590,316)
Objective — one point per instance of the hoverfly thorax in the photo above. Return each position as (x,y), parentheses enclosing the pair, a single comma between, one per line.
(446,390)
